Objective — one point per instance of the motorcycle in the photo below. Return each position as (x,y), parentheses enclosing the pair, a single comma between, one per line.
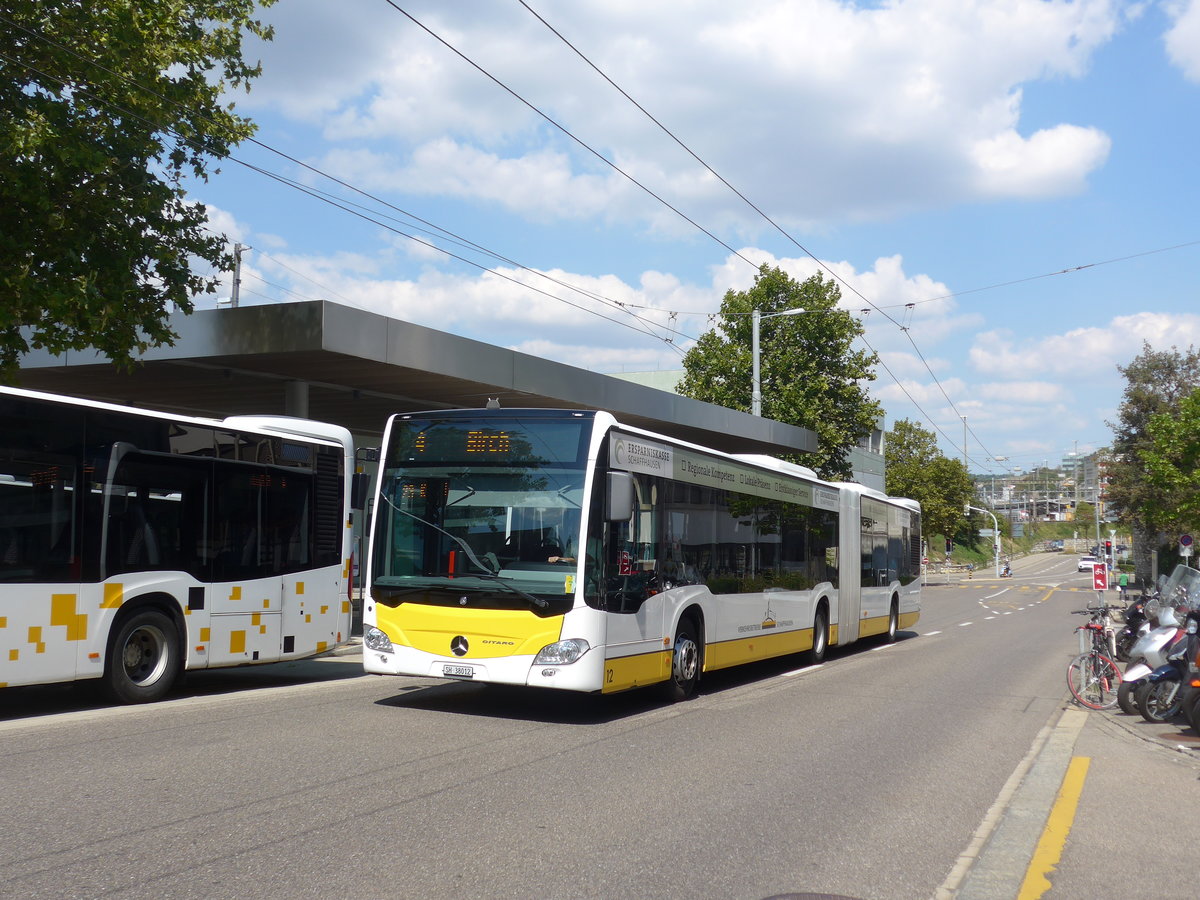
(1137,623)
(1160,695)
(1146,655)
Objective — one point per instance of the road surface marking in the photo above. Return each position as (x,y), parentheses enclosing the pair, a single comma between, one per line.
(1054,837)
(802,671)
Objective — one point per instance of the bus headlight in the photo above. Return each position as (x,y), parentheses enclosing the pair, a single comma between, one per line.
(374,639)
(562,653)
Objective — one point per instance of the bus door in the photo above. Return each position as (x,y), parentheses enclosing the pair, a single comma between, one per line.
(849,603)
(45,620)
(248,587)
(635,623)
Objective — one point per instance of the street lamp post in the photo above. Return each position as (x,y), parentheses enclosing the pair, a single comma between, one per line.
(995,534)
(756,390)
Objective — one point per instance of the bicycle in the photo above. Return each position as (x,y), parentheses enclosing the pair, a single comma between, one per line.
(1092,676)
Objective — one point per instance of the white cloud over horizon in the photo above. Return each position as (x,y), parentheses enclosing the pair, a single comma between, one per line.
(932,87)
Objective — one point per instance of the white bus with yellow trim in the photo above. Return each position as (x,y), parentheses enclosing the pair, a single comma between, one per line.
(562,549)
(136,544)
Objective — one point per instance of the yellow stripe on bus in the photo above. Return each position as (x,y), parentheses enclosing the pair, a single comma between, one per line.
(874,625)
(624,672)
(761,646)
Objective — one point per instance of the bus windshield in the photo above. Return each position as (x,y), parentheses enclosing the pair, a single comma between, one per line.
(482,511)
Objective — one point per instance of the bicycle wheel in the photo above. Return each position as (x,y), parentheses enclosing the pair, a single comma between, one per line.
(1094,680)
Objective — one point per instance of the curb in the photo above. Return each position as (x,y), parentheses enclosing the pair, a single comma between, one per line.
(995,862)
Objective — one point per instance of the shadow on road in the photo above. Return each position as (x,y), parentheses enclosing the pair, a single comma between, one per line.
(568,708)
(54,699)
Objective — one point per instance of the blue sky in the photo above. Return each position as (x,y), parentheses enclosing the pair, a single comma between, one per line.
(967,148)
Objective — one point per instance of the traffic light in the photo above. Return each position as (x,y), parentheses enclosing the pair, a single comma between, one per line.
(949,545)
(1108,548)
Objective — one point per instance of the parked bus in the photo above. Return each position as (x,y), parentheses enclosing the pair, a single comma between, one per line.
(136,544)
(563,549)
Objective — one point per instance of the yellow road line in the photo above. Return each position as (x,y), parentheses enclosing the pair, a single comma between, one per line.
(1054,837)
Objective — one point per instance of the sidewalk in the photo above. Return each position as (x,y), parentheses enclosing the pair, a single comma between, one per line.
(1138,791)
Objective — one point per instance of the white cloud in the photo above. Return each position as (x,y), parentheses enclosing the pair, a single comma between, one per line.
(821,110)
(1084,350)
(1024,392)
(1051,161)
(1183,38)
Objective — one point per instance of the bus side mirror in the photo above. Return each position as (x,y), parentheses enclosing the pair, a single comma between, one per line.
(360,487)
(618,505)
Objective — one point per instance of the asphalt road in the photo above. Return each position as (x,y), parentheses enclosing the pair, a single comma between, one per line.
(865,777)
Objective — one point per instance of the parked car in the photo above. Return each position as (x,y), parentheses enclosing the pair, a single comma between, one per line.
(1086,563)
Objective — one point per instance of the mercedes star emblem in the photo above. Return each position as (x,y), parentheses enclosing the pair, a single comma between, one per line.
(459,646)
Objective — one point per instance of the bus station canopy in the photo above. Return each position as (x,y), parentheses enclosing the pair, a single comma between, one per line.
(355,368)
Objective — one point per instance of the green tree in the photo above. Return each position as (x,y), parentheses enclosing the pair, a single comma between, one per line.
(917,469)
(811,376)
(1156,383)
(1171,456)
(105,109)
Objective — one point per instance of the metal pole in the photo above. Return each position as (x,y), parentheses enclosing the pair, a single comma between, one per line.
(756,386)
(236,290)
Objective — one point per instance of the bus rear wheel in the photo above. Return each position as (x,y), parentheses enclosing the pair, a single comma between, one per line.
(820,638)
(143,658)
(685,662)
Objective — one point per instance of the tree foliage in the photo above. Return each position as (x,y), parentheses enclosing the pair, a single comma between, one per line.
(917,469)
(1157,382)
(1171,456)
(810,374)
(105,109)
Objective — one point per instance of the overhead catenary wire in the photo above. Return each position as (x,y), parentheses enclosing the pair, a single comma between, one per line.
(743,197)
(561,128)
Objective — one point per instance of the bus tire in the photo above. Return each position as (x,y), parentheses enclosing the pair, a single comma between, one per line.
(143,657)
(889,637)
(686,656)
(820,637)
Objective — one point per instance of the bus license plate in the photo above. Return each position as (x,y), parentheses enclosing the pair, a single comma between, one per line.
(458,671)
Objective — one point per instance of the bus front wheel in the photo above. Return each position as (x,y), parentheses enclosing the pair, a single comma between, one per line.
(685,662)
(143,658)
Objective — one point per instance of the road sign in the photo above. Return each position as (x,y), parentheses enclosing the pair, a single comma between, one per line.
(1185,540)
(1100,577)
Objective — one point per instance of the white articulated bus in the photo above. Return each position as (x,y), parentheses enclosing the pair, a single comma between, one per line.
(136,544)
(562,549)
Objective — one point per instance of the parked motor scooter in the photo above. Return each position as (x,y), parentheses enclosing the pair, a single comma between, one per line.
(1137,623)
(1159,697)
(1191,684)
(1147,654)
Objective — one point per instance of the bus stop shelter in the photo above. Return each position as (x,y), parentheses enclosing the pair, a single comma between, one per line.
(340,364)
